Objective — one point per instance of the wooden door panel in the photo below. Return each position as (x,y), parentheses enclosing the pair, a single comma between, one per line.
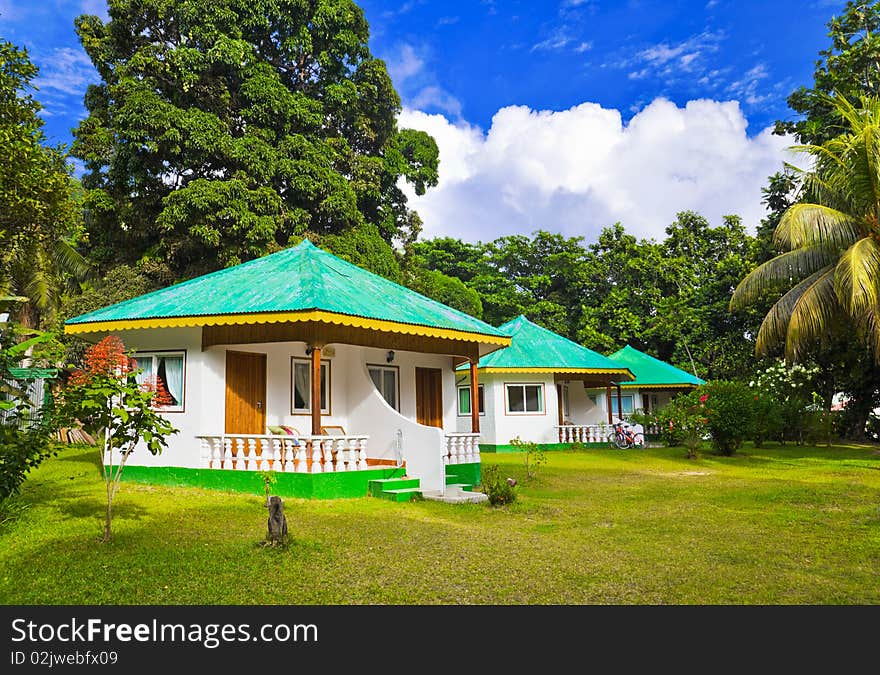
(429,397)
(245,393)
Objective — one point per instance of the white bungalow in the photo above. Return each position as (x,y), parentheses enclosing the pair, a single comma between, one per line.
(336,379)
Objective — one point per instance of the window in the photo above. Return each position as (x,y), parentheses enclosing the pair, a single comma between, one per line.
(566,406)
(386,380)
(626,400)
(594,399)
(464,400)
(524,399)
(301,387)
(165,369)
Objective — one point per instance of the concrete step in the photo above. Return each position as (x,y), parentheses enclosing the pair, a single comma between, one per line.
(461,487)
(380,485)
(401,495)
(455,496)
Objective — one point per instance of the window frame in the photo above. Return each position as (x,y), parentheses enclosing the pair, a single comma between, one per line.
(308,411)
(467,387)
(632,403)
(508,411)
(396,370)
(167,352)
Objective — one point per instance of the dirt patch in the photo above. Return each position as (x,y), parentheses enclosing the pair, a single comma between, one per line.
(685,473)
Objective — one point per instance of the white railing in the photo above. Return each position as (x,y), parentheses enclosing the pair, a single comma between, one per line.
(461,448)
(583,433)
(303,454)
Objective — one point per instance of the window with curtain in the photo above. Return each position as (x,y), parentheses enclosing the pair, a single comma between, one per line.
(525,399)
(301,387)
(165,369)
(464,400)
(386,380)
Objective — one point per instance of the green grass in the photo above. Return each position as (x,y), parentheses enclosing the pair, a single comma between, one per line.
(779,525)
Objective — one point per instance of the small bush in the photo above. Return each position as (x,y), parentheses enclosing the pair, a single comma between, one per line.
(767,421)
(683,422)
(535,456)
(729,413)
(498,490)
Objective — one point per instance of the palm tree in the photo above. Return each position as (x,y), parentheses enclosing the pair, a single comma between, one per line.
(831,263)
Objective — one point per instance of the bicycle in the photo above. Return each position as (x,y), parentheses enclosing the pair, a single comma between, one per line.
(624,438)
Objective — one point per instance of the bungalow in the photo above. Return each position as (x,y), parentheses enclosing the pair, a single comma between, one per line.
(536,390)
(656,383)
(298,362)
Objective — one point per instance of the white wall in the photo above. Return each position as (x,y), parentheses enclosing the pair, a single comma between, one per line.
(498,427)
(355,404)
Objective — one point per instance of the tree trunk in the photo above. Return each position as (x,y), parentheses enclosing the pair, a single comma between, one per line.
(108,519)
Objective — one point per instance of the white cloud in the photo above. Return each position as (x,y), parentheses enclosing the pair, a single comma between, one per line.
(439,98)
(66,71)
(579,170)
(685,55)
(747,86)
(405,64)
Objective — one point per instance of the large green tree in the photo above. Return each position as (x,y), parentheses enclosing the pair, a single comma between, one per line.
(38,215)
(225,130)
(849,67)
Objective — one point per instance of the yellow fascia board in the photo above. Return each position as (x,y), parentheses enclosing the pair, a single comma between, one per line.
(286,317)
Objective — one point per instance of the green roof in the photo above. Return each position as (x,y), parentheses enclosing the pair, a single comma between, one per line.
(535,348)
(651,372)
(297,279)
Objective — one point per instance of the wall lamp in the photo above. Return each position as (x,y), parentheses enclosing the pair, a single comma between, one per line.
(389,357)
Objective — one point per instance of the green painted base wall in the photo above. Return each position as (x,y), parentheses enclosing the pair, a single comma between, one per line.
(345,484)
(484,447)
(465,473)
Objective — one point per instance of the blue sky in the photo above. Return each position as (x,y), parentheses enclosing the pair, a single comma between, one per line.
(552,114)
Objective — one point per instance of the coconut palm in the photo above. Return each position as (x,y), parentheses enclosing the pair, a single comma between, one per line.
(831,263)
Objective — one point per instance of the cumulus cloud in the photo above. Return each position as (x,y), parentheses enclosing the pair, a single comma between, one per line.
(579,170)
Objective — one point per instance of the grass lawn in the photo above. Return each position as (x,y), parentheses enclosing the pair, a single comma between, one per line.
(778,525)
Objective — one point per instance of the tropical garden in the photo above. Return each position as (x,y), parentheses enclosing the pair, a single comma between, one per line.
(224,131)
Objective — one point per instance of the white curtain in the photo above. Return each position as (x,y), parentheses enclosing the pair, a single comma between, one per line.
(301,386)
(174,377)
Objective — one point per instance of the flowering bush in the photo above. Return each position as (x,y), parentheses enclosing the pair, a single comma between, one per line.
(730,413)
(683,422)
(788,408)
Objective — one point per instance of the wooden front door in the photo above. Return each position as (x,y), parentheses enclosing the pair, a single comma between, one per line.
(429,397)
(245,393)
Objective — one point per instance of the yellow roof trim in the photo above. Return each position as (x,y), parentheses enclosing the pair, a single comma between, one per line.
(597,371)
(286,317)
(687,385)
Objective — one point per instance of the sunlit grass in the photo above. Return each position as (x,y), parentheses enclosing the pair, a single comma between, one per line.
(777,525)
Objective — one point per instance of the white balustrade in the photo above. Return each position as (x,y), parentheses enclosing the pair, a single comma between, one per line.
(583,433)
(461,448)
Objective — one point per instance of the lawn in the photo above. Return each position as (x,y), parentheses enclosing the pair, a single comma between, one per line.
(777,525)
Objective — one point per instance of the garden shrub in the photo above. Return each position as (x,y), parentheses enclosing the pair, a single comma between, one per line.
(730,414)
(683,422)
(767,422)
(498,490)
(534,455)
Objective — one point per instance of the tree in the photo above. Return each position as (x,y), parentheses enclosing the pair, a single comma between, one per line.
(108,400)
(849,67)
(227,130)
(831,243)
(39,218)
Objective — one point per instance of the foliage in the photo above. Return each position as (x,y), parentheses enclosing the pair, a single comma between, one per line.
(106,398)
(451,291)
(39,219)
(683,422)
(785,402)
(25,434)
(223,131)
(849,67)
(364,247)
(831,243)
(498,489)
(534,456)
(729,408)
(269,479)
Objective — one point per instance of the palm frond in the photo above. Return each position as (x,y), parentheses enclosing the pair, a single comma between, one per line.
(815,224)
(811,316)
(857,277)
(780,273)
(775,325)
(70,261)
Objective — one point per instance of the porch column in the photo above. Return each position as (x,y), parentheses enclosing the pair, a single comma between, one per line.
(475,400)
(608,398)
(316,391)
(619,403)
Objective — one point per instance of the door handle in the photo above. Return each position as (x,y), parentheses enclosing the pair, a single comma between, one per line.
(259,405)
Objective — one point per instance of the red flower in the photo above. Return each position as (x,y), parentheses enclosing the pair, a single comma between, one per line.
(107,358)
(704,398)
